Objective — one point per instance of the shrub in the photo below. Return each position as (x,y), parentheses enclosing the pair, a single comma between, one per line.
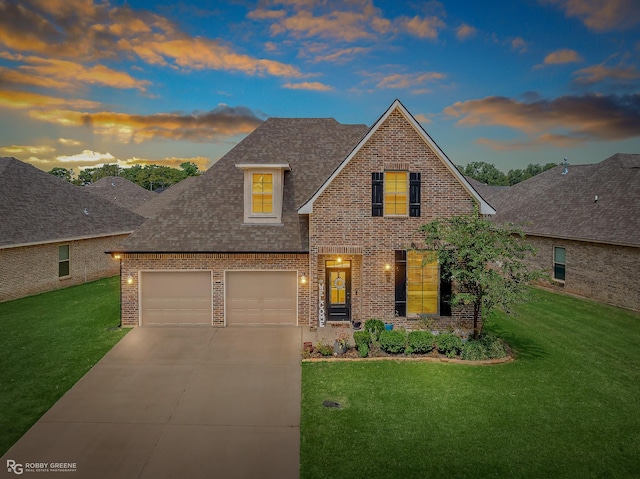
(324,349)
(420,342)
(393,342)
(493,346)
(362,337)
(363,350)
(448,343)
(473,350)
(375,327)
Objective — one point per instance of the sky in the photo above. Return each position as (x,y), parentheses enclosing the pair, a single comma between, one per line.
(84,83)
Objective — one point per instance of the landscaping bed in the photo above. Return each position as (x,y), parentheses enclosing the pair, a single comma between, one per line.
(377,342)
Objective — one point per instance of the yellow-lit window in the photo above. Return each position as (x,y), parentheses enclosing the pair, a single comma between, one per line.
(395,193)
(422,282)
(262,193)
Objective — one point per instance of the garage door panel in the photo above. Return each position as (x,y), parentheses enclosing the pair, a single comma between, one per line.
(176,298)
(261,297)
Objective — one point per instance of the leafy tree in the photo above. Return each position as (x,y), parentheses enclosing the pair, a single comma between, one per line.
(516,176)
(485,173)
(190,168)
(485,261)
(63,173)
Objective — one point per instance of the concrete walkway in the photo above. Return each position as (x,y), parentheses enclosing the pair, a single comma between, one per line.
(178,403)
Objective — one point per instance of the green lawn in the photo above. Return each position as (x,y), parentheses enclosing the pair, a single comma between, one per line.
(48,342)
(568,407)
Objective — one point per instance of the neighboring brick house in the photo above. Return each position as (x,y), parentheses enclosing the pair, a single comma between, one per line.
(54,234)
(585,225)
(304,222)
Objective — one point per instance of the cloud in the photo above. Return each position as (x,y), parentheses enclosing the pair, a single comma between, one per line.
(422,118)
(464,32)
(352,21)
(341,56)
(409,80)
(24,100)
(24,149)
(519,44)
(88,32)
(62,74)
(223,121)
(556,140)
(69,142)
(562,56)
(316,86)
(579,118)
(601,73)
(86,158)
(601,15)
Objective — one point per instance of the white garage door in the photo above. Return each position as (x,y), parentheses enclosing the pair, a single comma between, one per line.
(261,297)
(171,298)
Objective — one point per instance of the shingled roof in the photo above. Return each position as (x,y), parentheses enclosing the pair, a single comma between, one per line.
(36,207)
(121,191)
(599,203)
(209,216)
(155,205)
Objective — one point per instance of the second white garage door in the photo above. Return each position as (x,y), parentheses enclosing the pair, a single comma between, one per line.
(261,297)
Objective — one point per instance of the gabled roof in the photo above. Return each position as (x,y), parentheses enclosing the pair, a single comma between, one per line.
(565,206)
(36,207)
(159,201)
(483,206)
(121,191)
(209,215)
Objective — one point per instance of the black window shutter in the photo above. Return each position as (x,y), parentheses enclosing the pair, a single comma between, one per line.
(414,194)
(401,283)
(377,190)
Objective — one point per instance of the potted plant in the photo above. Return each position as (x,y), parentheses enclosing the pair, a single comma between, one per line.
(341,343)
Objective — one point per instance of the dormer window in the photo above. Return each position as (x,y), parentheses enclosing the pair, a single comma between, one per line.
(263,191)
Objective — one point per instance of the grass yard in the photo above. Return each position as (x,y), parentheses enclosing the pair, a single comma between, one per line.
(568,407)
(48,343)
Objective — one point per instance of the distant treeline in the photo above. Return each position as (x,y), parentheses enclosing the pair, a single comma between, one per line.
(488,174)
(150,177)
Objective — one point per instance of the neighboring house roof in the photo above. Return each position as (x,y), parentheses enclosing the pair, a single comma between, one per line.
(159,201)
(121,191)
(486,191)
(599,203)
(209,216)
(483,206)
(37,207)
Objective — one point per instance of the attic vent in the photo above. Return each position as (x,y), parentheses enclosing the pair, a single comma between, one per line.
(86,211)
(566,167)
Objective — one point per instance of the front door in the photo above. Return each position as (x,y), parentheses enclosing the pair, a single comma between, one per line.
(338,282)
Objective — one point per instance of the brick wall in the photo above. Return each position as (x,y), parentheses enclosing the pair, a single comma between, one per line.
(341,218)
(133,264)
(604,273)
(34,269)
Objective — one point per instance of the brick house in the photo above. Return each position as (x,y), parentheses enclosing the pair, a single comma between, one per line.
(585,225)
(304,222)
(54,234)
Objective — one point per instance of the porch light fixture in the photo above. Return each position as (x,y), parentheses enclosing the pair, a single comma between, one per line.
(129,279)
(387,268)
(117,256)
(303,279)
(339,260)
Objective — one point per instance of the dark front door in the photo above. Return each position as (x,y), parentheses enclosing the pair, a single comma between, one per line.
(339,293)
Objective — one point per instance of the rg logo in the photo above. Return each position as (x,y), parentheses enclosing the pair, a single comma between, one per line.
(13,466)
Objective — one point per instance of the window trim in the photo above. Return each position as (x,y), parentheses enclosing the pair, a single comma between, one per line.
(67,261)
(277,172)
(406,194)
(443,303)
(555,263)
(265,214)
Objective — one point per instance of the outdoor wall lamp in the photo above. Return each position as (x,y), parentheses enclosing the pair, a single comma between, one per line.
(387,268)
(117,256)
(129,279)
(339,260)
(303,279)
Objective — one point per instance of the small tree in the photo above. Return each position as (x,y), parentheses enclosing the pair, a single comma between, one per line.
(485,261)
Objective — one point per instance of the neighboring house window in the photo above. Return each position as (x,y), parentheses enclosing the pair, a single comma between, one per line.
(63,261)
(262,193)
(419,289)
(395,193)
(559,264)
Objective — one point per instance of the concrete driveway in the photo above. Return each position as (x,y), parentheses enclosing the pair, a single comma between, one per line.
(178,402)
